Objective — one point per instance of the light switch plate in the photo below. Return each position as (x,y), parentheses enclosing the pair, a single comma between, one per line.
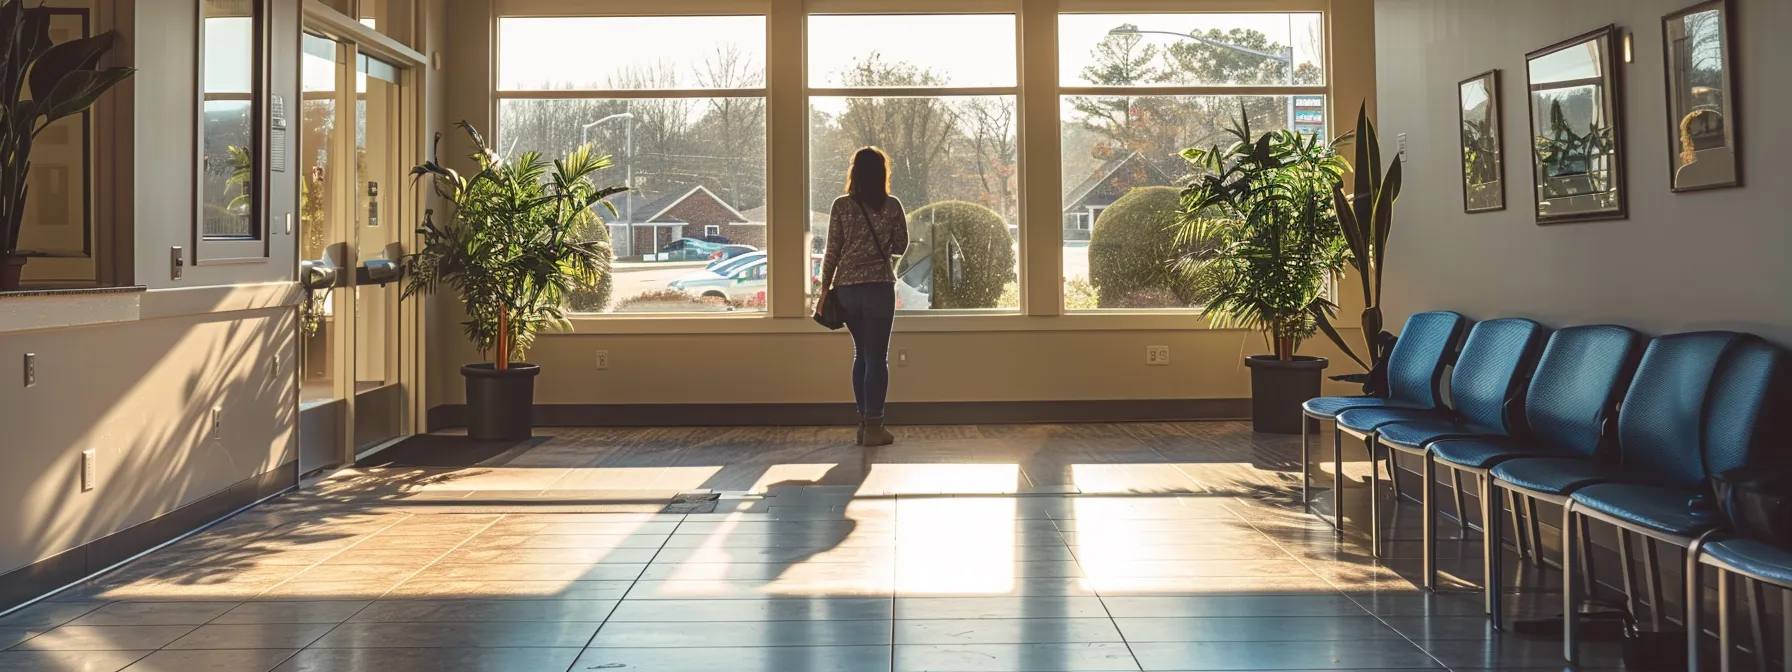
(176,262)
(90,472)
(1403,148)
(30,369)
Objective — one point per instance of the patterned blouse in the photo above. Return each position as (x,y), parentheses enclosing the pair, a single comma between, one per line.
(852,256)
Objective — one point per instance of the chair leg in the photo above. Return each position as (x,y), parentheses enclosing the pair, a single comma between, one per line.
(1491,573)
(1570,587)
(1375,531)
(1520,540)
(1583,533)
(1460,502)
(1757,620)
(1428,506)
(1723,620)
(1627,568)
(1394,476)
(1338,478)
(1652,584)
(1306,458)
(1530,512)
(1695,609)
(1786,625)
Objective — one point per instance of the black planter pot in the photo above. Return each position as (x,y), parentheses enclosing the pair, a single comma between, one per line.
(1278,389)
(500,404)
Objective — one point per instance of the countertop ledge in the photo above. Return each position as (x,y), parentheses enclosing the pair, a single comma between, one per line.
(71,291)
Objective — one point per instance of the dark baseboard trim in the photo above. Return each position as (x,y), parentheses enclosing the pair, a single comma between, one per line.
(900,413)
(52,574)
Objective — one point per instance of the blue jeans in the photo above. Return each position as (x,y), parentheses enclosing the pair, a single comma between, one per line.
(870,312)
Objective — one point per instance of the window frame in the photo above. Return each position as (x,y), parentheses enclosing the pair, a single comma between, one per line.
(254,248)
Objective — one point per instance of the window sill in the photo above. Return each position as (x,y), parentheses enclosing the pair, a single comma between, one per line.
(908,323)
(37,309)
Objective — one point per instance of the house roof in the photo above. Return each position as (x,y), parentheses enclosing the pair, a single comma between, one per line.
(648,209)
(1080,195)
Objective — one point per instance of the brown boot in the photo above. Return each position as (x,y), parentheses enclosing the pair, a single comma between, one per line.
(875,434)
(861,440)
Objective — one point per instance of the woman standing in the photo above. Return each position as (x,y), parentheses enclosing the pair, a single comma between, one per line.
(867,229)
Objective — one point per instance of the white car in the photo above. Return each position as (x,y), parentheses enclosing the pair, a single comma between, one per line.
(742,284)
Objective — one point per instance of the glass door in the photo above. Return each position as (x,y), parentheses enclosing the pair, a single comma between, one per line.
(380,401)
(324,264)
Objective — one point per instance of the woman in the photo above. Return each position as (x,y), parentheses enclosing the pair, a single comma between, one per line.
(866,231)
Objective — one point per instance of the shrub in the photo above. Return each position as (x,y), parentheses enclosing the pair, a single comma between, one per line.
(1133,253)
(985,261)
(596,298)
(672,301)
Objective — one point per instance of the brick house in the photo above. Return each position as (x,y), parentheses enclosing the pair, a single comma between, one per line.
(1108,184)
(694,213)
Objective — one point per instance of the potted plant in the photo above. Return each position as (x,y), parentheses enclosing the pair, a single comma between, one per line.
(1264,208)
(1365,219)
(514,247)
(61,80)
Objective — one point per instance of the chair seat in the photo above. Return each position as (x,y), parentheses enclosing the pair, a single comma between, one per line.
(1415,435)
(1371,419)
(1482,452)
(1754,558)
(1330,407)
(1554,475)
(1663,508)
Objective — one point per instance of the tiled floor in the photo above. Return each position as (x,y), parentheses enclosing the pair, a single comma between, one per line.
(1174,547)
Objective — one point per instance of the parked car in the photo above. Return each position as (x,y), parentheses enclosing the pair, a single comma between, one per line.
(914,284)
(719,240)
(744,284)
(732,251)
(722,266)
(688,249)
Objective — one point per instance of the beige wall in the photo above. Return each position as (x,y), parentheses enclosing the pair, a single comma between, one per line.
(1707,260)
(1038,356)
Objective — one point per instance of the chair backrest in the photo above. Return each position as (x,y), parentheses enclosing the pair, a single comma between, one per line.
(1416,365)
(1496,363)
(1695,407)
(1579,380)
(1746,423)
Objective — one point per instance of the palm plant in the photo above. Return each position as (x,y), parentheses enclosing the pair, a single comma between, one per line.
(61,79)
(512,246)
(1266,204)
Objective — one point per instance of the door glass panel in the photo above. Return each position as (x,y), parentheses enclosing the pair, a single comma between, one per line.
(319,232)
(379,399)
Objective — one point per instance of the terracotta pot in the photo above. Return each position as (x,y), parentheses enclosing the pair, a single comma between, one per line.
(11,267)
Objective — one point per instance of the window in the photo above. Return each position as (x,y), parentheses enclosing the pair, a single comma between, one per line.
(679,103)
(232,191)
(1137,90)
(944,108)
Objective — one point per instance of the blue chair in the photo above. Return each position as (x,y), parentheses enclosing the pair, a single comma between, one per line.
(1572,396)
(1427,344)
(1695,409)
(1756,563)
(1495,363)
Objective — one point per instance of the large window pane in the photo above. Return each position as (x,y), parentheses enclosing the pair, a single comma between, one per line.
(954,170)
(228,186)
(1257,49)
(690,236)
(1122,177)
(961,50)
(685,52)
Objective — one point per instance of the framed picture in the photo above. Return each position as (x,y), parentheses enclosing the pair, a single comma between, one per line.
(1577,129)
(1702,113)
(1483,170)
(59,216)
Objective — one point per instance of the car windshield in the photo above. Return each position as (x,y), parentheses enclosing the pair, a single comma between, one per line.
(725,266)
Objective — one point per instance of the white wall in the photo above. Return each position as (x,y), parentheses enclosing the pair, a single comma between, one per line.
(1681,262)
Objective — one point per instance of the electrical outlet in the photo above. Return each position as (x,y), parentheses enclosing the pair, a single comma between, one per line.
(902,357)
(90,471)
(177,261)
(1403,148)
(603,360)
(30,369)
(1157,355)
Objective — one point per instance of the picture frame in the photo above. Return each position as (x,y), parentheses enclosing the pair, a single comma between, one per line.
(1704,119)
(1482,143)
(1574,96)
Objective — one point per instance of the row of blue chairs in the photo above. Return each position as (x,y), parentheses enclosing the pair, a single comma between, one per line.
(1597,419)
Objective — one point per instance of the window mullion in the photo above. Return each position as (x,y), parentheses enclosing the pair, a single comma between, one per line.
(1041,205)
(787,160)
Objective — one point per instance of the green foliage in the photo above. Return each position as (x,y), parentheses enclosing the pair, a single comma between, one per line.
(596,298)
(1133,252)
(61,80)
(1365,219)
(514,247)
(1268,202)
(984,259)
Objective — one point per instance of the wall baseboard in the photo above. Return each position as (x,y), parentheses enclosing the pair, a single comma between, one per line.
(447,416)
(78,564)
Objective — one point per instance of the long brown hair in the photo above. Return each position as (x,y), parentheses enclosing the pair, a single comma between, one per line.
(868,181)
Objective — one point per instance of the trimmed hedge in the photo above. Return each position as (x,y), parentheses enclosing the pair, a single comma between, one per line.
(595,299)
(1133,252)
(986,264)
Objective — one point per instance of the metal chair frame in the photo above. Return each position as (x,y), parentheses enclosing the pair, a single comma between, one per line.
(1695,597)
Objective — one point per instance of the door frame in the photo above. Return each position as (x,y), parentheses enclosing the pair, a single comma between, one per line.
(354,38)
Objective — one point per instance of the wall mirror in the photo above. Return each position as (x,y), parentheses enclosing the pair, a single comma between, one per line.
(1577,130)
(1701,72)
(1483,171)
(231,184)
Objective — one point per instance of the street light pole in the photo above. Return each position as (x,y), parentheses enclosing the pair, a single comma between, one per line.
(628,177)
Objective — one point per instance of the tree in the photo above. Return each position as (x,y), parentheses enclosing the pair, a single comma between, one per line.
(916,132)
(994,161)
(1127,123)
